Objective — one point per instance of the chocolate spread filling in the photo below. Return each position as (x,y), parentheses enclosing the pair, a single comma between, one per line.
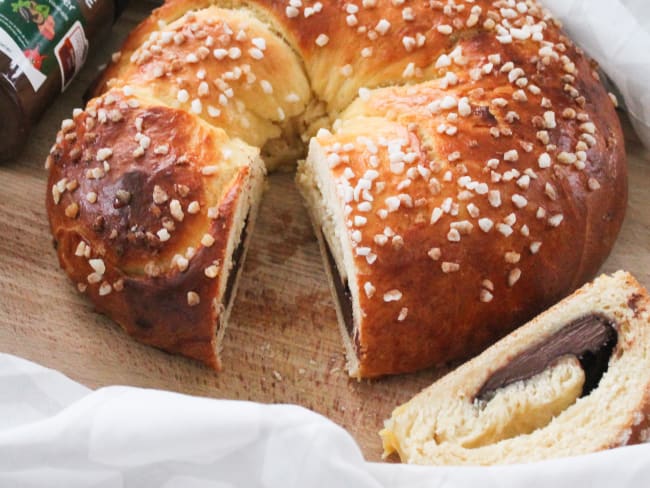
(591,339)
(236,263)
(343,294)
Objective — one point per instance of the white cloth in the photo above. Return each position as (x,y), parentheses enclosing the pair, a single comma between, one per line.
(57,433)
(616,33)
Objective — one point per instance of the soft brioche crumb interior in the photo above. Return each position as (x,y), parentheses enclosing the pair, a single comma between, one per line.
(542,417)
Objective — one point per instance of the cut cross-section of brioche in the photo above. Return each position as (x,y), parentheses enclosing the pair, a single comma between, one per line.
(574,380)
(151,215)
(443,241)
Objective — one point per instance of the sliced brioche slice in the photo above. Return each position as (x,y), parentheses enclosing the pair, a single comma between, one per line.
(574,380)
(327,218)
(151,209)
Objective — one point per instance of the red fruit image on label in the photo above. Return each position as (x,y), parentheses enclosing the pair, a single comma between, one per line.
(35,57)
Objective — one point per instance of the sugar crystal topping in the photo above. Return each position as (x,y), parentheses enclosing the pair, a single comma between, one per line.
(415,174)
(427,172)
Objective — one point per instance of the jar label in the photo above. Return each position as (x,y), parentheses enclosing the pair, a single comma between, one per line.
(41,36)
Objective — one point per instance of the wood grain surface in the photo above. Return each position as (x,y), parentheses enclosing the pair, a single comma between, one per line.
(282,345)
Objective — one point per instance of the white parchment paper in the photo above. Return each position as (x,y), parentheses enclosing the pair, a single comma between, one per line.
(616,33)
(57,433)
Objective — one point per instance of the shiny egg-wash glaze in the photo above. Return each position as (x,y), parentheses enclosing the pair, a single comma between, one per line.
(474,162)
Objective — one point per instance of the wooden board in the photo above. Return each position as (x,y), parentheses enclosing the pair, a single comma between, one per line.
(282,344)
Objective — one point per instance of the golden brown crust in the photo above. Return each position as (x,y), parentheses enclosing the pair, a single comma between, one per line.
(470,84)
(141,216)
(349,45)
(224,65)
(422,268)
